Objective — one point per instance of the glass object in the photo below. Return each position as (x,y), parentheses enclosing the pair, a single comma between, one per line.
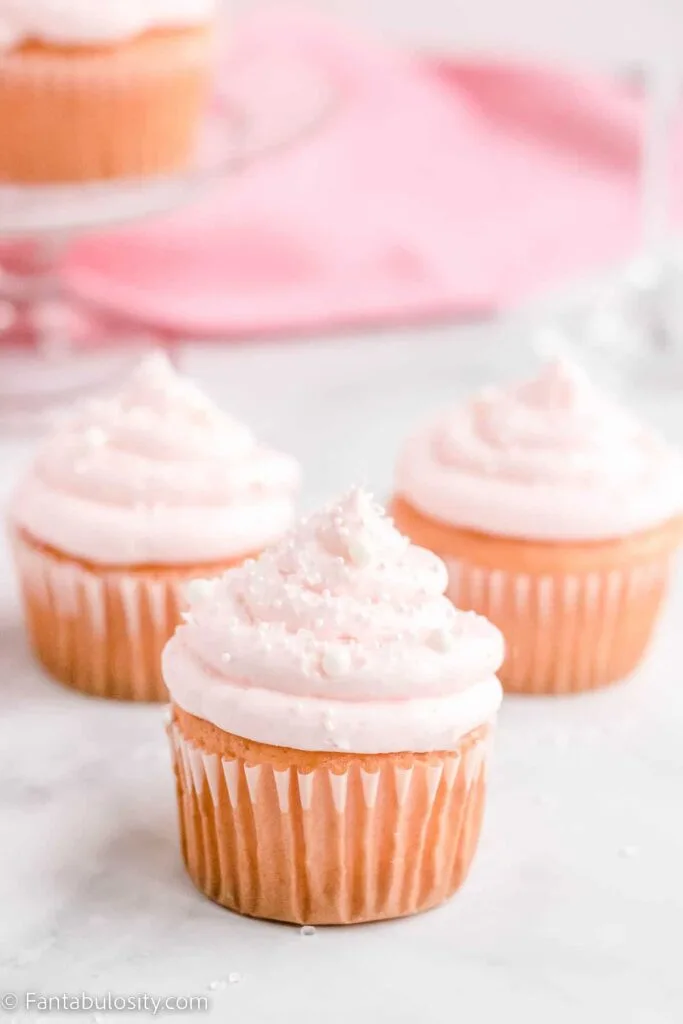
(635,316)
(53,347)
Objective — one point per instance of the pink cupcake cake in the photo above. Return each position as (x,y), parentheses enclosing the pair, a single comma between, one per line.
(557,512)
(132,498)
(102,89)
(331,721)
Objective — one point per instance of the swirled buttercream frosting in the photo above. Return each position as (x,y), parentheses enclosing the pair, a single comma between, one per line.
(337,638)
(156,474)
(553,458)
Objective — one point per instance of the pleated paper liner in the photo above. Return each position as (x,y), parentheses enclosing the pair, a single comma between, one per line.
(84,113)
(574,616)
(310,838)
(102,630)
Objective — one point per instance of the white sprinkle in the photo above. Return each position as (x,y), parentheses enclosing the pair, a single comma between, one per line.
(336,661)
(360,551)
(95,436)
(441,640)
(199,590)
(234,978)
(226,657)
(218,985)
(308,929)
(629,851)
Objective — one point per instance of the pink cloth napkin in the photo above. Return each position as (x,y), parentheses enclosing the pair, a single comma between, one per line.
(431,190)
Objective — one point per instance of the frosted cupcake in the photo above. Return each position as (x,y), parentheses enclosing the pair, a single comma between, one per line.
(93,89)
(133,497)
(557,513)
(331,722)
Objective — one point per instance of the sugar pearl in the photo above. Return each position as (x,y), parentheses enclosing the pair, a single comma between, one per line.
(199,590)
(441,640)
(360,552)
(336,661)
(95,436)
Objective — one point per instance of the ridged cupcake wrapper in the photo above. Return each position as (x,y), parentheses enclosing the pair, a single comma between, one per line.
(326,846)
(100,633)
(131,111)
(565,633)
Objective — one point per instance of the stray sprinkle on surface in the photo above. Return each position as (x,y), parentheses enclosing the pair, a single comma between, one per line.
(218,985)
(308,929)
(629,851)
(234,978)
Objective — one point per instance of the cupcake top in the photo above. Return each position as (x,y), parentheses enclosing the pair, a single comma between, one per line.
(89,22)
(156,474)
(553,458)
(339,638)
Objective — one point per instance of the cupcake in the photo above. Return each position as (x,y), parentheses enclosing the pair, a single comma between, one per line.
(331,718)
(557,513)
(133,497)
(93,89)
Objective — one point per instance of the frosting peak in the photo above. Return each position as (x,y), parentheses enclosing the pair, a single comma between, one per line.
(560,384)
(156,473)
(550,458)
(345,622)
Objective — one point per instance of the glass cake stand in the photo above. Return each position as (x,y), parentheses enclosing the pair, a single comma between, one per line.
(55,347)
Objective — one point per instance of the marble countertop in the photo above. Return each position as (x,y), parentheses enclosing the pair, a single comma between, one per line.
(574,908)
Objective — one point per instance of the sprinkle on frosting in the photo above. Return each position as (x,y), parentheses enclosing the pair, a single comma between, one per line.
(550,458)
(156,473)
(326,653)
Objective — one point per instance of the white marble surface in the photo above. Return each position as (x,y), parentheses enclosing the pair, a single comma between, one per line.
(574,909)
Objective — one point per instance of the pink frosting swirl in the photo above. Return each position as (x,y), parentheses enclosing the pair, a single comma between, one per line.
(156,474)
(340,637)
(552,458)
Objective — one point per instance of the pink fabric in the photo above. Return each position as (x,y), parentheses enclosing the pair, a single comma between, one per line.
(433,190)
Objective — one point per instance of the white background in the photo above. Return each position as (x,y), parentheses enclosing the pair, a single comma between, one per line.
(574,909)
(605,33)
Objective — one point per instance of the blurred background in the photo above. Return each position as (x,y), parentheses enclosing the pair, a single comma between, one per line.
(363,167)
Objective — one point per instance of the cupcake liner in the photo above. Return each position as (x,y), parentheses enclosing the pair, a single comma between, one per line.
(81,114)
(575,616)
(352,838)
(101,631)
(565,633)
